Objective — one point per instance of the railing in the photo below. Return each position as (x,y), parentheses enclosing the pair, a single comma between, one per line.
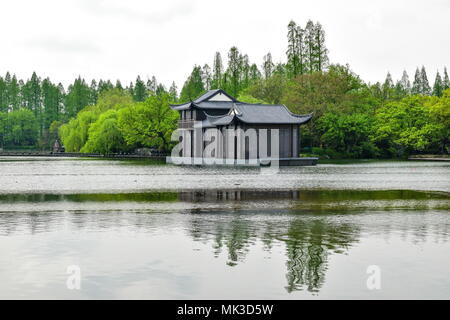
(186,124)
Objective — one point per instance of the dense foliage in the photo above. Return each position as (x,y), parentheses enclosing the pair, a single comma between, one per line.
(351,118)
(116,123)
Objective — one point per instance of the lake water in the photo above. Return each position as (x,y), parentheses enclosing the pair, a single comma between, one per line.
(142,230)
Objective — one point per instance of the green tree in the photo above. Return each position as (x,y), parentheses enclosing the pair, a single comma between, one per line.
(417,84)
(21,128)
(295,38)
(206,77)
(193,87)
(217,75)
(75,133)
(14,94)
(438,87)
(149,123)
(320,49)
(404,85)
(407,126)
(3,96)
(78,96)
(268,66)
(234,70)
(388,87)
(173,93)
(426,89)
(446,82)
(3,119)
(140,90)
(104,135)
(348,134)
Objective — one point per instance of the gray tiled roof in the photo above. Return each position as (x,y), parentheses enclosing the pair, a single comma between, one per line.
(261,113)
(244,112)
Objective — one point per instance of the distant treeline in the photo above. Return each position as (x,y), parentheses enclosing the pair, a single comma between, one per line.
(351,118)
(32,110)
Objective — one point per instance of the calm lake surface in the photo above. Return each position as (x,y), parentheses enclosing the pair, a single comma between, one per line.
(142,230)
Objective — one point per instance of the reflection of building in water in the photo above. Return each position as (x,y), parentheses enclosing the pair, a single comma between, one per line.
(238,195)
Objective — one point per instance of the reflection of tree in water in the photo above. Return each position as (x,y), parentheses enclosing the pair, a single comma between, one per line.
(309,242)
(232,232)
(308,246)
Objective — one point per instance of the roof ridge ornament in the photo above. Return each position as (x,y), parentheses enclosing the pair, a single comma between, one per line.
(234,111)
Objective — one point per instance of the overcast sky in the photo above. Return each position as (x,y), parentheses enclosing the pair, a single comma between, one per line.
(114,39)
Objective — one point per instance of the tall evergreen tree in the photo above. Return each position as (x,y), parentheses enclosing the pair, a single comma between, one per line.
(405,84)
(244,66)
(206,76)
(119,85)
(152,84)
(417,84)
(173,93)
(217,72)
(140,91)
(78,96)
(426,89)
(255,74)
(438,86)
(193,87)
(234,70)
(446,82)
(293,52)
(93,92)
(268,65)
(321,51)
(388,87)
(280,69)
(14,94)
(310,42)
(3,96)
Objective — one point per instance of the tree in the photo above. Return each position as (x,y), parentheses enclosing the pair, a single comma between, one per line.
(293,51)
(216,82)
(320,49)
(234,70)
(417,84)
(407,126)
(405,84)
(104,135)
(152,84)
(193,87)
(206,77)
(347,133)
(119,85)
(173,93)
(388,87)
(21,128)
(255,74)
(3,130)
(3,96)
(140,91)
(267,66)
(150,123)
(14,94)
(310,41)
(446,82)
(426,89)
(78,97)
(75,133)
(51,99)
(438,87)
(244,66)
